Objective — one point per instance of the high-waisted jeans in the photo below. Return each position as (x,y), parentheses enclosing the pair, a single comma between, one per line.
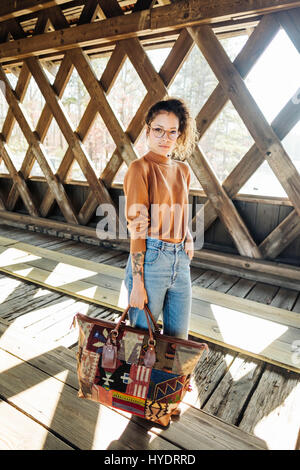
(167,280)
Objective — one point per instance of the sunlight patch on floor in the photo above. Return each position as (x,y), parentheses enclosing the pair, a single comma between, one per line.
(89,292)
(8,288)
(41,292)
(23,272)
(109,428)
(37,315)
(246,331)
(13,256)
(281,418)
(66,273)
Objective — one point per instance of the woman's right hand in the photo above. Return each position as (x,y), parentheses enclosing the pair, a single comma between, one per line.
(138,296)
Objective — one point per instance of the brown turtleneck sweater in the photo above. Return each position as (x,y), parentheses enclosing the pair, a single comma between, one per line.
(161,186)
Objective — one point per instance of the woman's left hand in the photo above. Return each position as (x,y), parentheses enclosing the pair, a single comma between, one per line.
(189,247)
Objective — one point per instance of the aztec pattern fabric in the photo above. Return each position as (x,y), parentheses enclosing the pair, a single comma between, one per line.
(152,393)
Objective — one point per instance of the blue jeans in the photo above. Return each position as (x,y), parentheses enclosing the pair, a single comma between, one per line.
(167,280)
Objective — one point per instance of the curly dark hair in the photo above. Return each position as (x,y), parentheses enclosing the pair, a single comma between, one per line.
(189,136)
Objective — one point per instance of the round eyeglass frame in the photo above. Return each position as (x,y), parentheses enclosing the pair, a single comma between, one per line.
(170,136)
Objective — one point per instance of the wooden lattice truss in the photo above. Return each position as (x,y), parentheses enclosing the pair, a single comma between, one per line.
(231,86)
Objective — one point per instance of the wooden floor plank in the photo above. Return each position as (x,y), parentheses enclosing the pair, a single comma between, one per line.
(68,259)
(34,298)
(296,306)
(274,409)
(263,293)
(4,241)
(208,373)
(34,392)
(19,432)
(210,377)
(285,298)
(231,394)
(206,279)
(241,288)
(104,284)
(267,312)
(236,334)
(54,404)
(224,283)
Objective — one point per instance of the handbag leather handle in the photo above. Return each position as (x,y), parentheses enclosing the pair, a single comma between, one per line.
(148,314)
(109,355)
(156,327)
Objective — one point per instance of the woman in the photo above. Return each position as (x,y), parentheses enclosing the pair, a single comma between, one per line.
(161,247)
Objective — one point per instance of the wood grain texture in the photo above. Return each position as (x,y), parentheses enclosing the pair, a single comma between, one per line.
(55,403)
(261,331)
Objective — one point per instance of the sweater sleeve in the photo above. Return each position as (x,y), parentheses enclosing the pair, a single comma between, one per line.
(136,206)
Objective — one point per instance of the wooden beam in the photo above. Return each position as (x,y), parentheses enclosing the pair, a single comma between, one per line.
(281,237)
(282,124)
(89,12)
(66,162)
(97,95)
(289,229)
(18,179)
(290,21)
(257,43)
(57,188)
(254,47)
(15,8)
(176,16)
(156,90)
(263,134)
(223,205)
(63,227)
(144,67)
(149,42)
(83,159)
(143,5)
(168,71)
(20,92)
(96,92)
(110,8)
(115,62)
(43,124)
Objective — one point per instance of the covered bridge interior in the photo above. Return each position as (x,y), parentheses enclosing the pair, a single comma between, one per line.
(76,80)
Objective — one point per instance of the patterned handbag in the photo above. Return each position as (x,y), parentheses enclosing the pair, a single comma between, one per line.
(145,373)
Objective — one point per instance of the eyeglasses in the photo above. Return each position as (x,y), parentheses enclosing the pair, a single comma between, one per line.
(159,133)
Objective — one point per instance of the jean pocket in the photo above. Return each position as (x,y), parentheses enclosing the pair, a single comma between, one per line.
(152,255)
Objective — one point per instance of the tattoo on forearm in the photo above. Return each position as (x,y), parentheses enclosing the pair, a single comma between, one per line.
(138,264)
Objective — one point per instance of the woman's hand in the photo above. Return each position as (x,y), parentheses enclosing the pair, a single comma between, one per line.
(138,296)
(189,246)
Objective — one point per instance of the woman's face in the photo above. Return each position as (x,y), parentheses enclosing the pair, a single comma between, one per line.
(165,144)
